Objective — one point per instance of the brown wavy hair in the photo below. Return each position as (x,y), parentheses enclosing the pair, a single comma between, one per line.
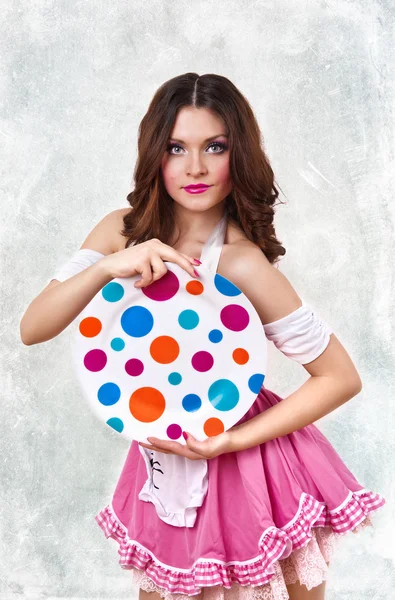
(252,199)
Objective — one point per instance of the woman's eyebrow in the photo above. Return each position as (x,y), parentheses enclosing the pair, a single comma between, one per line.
(208,139)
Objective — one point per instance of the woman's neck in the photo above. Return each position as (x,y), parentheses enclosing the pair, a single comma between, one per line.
(195,229)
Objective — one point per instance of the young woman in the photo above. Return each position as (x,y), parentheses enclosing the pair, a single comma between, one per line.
(253,512)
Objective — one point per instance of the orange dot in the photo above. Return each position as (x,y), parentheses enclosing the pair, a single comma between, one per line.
(240,356)
(147,404)
(164,349)
(213,426)
(194,287)
(90,326)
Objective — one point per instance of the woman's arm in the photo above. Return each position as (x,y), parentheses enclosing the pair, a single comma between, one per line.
(59,303)
(334,379)
(317,397)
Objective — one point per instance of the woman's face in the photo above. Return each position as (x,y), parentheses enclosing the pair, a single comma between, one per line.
(197,153)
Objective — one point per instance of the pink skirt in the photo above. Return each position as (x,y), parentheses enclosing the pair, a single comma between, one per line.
(271,516)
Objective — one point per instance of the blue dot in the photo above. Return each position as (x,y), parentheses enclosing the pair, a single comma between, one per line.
(188,319)
(215,336)
(191,402)
(116,424)
(113,291)
(255,382)
(117,344)
(225,287)
(108,394)
(175,378)
(137,321)
(223,394)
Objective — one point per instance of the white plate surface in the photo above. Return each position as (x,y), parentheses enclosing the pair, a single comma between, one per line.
(182,354)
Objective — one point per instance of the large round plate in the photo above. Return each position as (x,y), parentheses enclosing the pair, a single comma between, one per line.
(180,354)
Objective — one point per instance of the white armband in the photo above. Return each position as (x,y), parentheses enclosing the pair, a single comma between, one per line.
(301,335)
(82,259)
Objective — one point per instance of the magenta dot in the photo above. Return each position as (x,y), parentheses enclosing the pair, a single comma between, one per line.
(234,317)
(174,431)
(202,361)
(164,288)
(134,367)
(95,360)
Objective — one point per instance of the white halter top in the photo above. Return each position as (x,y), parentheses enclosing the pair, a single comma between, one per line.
(213,247)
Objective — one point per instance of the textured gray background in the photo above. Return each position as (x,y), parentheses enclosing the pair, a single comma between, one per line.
(76,79)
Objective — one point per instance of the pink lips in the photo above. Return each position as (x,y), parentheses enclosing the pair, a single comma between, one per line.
(200,187)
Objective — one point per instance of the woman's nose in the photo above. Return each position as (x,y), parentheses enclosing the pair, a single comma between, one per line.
(195,165)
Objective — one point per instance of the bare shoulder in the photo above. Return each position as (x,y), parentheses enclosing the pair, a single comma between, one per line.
(106,236)
(269,290)
(120,240)
(235,248)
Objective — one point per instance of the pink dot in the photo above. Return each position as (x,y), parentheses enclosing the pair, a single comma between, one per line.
(234,317)
(95,360)
(164,288)
(134,367)
(174,431)
(202,361)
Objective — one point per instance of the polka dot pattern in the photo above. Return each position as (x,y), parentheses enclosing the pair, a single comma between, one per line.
(188,319)
(191,403)
(234,317)
(164,349)
(163,289)
(174,431)
(90,327)
(215,336)
(240,356)
(116,424)
(137,321)
(147,404)
(113,291)
(202,361)
(95,360)
(223,394)
(225,287)
(255,382)
(176,355)
(134,367)
(175,378)
(195,288)
(108,394)
(117,344)
(213,427)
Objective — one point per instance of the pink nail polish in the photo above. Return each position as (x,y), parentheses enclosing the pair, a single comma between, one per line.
(197,261)
(185,435)
(197,274)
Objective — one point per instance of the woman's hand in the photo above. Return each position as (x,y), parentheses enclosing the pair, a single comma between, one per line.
(195,450)
(147,259)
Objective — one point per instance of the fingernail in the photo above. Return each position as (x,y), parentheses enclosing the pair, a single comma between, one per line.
(196,273)
(185,435)
(197,261)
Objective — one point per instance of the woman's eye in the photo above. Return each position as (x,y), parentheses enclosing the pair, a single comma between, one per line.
(218,144)
(171,147)
(221,146)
